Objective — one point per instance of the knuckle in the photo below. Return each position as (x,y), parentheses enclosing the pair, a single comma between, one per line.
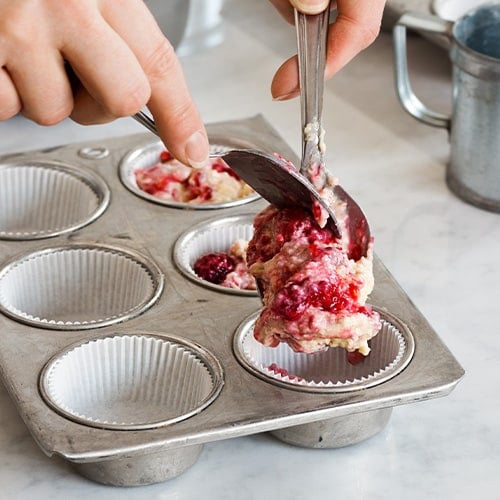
(181,115)
(47,117)
(8,111)
(161,60)
(10,104)
(130,100)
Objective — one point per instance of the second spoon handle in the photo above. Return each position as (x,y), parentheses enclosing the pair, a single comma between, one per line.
(146,121)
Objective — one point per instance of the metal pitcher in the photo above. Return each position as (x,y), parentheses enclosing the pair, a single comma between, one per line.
(473,171)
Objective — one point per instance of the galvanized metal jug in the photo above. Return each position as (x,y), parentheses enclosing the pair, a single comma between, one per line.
(473,172)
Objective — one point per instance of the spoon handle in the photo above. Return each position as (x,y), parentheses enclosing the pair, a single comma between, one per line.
(146,121)
(312,33)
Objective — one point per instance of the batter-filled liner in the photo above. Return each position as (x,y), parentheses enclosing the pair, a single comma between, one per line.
(212,236)
(148,155)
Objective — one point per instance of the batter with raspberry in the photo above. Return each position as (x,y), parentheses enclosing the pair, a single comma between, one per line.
(171,180)
(228,269)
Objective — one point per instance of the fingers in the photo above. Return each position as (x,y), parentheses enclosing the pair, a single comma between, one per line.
(41,81)
(103,62)
(177,118)
(285,84)
(356,27)
(32,78)
(119,56)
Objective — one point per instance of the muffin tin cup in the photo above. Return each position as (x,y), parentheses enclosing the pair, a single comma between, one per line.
(214,235)
(141,470)
(148,155)
(77,287)
(131,381)
(327,371)
(41,199)
(336,432)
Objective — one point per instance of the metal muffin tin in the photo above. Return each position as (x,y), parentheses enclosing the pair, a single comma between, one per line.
(243,403)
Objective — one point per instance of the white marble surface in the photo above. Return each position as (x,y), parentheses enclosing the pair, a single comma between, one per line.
(439,249)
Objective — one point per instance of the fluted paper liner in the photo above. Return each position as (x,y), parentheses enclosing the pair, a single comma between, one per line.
(78,286)
(44,199)
(327,371)
(148,155)
(131,381)
(215,235)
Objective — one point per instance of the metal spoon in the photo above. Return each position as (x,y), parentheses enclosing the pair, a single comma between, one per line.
(281,184)
(274,178)
(312,31)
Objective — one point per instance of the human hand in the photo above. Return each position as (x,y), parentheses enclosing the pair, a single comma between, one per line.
(119,59)
(356,27)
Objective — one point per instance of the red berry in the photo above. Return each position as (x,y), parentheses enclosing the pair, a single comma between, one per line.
(355,357)
(214,267)
(291,301)
(165,156)
(197,187)
(222,166)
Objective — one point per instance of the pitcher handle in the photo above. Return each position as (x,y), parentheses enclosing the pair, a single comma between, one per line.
(410,102)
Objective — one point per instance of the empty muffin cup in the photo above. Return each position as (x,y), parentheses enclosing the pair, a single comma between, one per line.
(327,371)
(215,236)
(131,381)
(147,156)
(75,287)
(40,199)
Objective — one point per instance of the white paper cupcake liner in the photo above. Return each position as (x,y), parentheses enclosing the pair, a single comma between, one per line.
(328,371)
(147,156)
(131,381)
(78,287)
(44,199)
(214,235)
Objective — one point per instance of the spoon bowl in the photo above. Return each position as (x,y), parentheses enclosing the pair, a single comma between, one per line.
(282,185)
(278,182)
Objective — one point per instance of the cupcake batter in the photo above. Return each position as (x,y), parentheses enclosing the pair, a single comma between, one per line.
(171,180)
(314,296)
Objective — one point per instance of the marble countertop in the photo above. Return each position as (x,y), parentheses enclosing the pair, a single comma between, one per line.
(437,247)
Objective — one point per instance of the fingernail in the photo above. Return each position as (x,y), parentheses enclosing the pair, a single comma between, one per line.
(285,97)
(197,150)
(310,6)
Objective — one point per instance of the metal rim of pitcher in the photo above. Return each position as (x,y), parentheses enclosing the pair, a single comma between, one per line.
(459,53)
(474,61)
